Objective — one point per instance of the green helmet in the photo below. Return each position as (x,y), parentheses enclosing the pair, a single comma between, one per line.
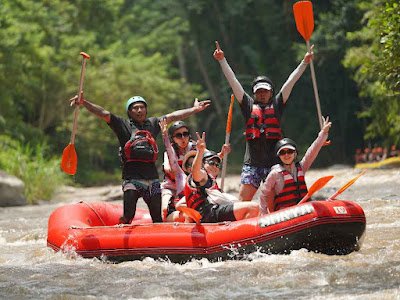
(134,99)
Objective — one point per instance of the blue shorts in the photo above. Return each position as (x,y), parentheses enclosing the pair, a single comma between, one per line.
(253,175)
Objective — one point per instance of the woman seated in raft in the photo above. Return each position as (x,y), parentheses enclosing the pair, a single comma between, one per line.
(285,185)
(177,143)
(205,169)
(179,147)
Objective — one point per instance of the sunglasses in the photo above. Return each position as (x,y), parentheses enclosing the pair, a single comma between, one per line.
(283,152)
(182,135)
(214,163)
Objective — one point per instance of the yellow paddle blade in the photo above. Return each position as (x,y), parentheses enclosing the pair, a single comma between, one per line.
(348,184)
(190,212)
(69,160)
(304,17)
(316,186)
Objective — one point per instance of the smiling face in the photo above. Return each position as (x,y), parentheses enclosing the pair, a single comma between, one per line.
(138,112)
(263,95)
(213,166)
(287,155)
(181,137)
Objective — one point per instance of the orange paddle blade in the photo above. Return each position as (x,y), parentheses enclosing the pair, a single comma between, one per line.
(304,17)
(190,212)
(348,184)
(69,160)
(317,185)
(85,55)
(229,120)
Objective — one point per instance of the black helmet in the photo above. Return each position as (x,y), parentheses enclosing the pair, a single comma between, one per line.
(208,154)
(174,127)
(285,143)
(262,79)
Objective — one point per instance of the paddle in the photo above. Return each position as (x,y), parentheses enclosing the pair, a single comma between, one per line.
(69,159)
(304,17)
(343,188)
(191,213)
(317,185)
(227,136)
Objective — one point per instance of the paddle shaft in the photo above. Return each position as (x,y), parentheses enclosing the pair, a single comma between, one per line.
(315,87)
(224,162)
(227,136)
(76,111)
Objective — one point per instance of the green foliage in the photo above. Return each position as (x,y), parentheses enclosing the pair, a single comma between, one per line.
(376,63)
(132,48)
(337,91)
(40,174)
(162,50)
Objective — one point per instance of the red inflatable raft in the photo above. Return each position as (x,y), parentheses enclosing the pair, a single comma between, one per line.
(91,230)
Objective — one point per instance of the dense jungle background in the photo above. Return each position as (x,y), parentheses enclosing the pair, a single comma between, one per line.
(162,50)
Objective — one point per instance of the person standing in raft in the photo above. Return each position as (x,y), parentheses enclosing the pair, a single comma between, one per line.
(262,115)
(285,185)
(205,169)
(138,150)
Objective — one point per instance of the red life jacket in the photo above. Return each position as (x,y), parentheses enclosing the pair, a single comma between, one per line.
(141,147)
(292,191)
(196,197)
(263,121)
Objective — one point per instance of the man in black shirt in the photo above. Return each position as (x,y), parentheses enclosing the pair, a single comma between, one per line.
(262,115)
(140,176)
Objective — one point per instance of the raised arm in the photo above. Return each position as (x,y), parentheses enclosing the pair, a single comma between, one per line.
(181,114)
(198,173)
(172,160)
(95,109)
(313,150)
(296,74)
(237,88)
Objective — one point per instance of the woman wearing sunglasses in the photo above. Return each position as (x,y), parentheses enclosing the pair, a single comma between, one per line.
(285,185)
(177,161)
(205,169)
(177,143)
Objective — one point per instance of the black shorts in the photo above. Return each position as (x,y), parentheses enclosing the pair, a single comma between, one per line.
(217,213)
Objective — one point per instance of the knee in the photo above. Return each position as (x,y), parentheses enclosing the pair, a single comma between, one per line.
(246,192)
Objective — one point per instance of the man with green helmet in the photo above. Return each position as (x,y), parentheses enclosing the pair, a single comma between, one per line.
(138,150)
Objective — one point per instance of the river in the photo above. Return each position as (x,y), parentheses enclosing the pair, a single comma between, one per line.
(31,270)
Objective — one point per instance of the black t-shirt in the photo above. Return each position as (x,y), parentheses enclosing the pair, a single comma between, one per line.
(123,130)
(261,152)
